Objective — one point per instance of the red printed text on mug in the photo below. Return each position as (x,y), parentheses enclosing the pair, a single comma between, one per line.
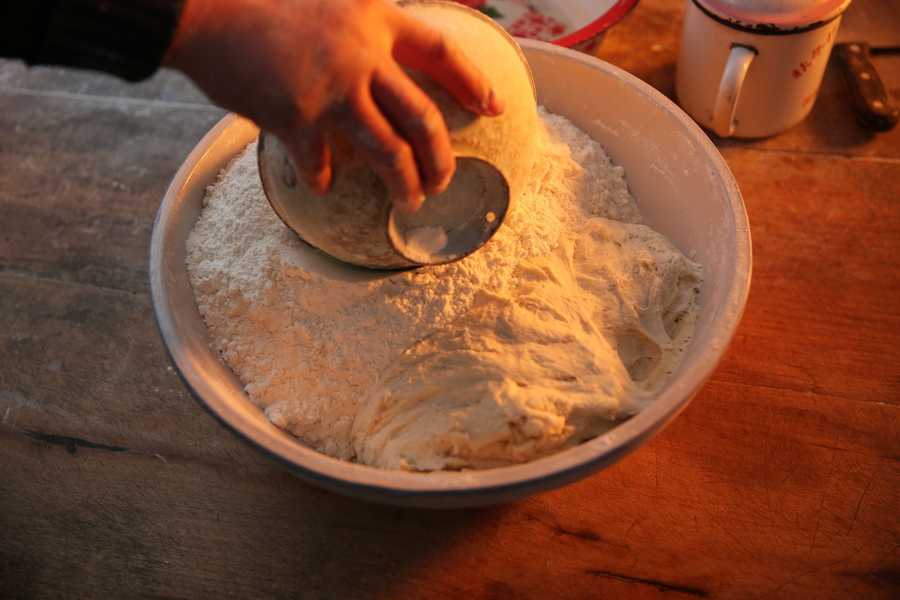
(806,65)
(810,99)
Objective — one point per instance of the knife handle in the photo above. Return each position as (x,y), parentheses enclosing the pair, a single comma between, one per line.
(874,108)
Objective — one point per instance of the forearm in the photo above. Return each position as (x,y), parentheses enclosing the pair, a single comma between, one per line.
(127,38)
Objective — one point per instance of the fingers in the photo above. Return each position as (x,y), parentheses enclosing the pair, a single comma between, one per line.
(311,158)
(390,156)
(421,47)
(419,122)
(391,122)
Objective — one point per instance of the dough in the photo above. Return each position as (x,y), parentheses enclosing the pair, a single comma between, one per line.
(583,341)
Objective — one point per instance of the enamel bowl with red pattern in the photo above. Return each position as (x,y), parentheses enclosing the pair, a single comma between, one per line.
(577,24)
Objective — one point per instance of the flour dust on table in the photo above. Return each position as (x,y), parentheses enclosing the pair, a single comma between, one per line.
(566,323)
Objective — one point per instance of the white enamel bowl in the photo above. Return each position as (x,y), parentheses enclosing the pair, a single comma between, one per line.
(684,189)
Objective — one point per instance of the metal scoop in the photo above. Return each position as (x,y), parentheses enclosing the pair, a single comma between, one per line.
(356,223)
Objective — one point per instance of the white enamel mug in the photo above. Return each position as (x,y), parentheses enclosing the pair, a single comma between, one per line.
(752,68)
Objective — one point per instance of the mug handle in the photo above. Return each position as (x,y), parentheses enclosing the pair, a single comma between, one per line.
(730,88)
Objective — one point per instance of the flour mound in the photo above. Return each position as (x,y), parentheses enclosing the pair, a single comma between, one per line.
(565,323)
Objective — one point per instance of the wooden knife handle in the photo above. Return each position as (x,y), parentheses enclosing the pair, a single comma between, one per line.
(874,108)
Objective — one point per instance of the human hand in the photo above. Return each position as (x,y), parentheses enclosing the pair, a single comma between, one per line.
(302,69)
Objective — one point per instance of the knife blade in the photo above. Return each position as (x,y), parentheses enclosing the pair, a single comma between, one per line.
(868,26)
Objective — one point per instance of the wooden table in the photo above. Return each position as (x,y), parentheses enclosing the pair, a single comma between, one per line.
(780,480)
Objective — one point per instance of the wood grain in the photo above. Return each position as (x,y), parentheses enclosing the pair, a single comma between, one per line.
(780,480)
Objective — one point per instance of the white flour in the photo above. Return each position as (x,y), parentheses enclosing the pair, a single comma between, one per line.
(310,337)
(423,242)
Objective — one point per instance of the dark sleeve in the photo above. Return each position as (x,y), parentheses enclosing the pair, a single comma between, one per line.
(127,38)
(23,26)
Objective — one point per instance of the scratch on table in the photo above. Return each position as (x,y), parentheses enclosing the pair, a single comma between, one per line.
(821,567)
(70,443)
(767,471)
(869,483)
(663,587)
(12,400)
(630,527)
(891,575)
(742,547)
(824,495)
(656,456)
(584,534)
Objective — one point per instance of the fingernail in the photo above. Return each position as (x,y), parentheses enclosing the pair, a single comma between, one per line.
(409,204)
(444,182)
(492,105)
(320,183)
(443,185)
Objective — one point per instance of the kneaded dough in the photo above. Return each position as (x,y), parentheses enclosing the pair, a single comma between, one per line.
(584,340)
